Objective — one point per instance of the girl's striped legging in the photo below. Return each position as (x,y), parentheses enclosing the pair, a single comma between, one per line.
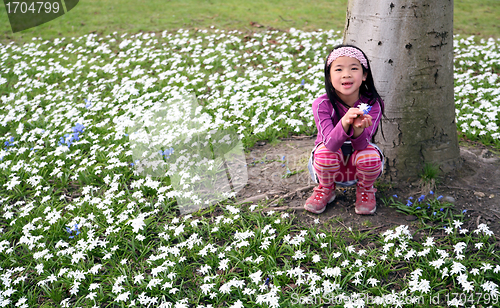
(363,165)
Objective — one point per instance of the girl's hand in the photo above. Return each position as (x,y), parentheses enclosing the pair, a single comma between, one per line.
(349,118)
(363,121)
(360,124)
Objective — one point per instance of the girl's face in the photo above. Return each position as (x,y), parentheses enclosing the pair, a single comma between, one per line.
(347,75)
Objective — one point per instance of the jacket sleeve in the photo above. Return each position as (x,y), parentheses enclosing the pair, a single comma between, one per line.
(332,135)
(362,141)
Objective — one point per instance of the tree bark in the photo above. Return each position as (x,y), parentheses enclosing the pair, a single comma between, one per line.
(410,48)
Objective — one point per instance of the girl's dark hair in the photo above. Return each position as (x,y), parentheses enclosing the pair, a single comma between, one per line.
(367,88)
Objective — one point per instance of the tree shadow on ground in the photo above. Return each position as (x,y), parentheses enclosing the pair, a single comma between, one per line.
(278,178)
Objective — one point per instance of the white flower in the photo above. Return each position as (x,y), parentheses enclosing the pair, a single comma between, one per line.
(459,247)
(437,263)
(424,252)
(223,264)
(356,281)
(468,287)
(205,288)
(139,278)
(457,224)
(138,223)
(457,268)
(204,269)
(299,255)
(497,269)
(237,304)
(429,242)
(387,247)
(365,108)
(373,281)
(256,277)
(455,302)
(331,272)
(122,297)
(329,287)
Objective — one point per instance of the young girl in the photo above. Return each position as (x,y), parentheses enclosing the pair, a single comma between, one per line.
(346,117)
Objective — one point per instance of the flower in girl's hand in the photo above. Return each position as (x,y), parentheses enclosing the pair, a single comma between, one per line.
(365,108)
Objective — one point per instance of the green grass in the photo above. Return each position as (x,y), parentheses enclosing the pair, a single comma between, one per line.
(480,18)
(472,17)
(105,17)
(81,229)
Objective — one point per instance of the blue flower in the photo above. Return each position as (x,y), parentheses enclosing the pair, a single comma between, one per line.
(395,196)
(9,143)
(75,229)
(441,209)
(464,211)
(409,203)
(434,213)
(421,198)
(303,82)
(167,152)
(283,158)
(365,108)
(267,281)
(431,192)
(439,198)
(418,207)
(78,128)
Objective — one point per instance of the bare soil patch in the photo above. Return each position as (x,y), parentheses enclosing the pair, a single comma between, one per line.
(474,187)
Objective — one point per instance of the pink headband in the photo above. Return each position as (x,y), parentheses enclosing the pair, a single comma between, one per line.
(347,52)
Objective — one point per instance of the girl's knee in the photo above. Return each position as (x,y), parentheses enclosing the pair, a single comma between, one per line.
(327,158)
(368,158)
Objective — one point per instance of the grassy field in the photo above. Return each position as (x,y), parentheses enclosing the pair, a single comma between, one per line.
(82,226)
(472,17)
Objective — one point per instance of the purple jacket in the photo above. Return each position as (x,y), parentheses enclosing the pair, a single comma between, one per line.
(330,130)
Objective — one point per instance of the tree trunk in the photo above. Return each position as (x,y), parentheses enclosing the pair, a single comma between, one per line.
(410,48)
